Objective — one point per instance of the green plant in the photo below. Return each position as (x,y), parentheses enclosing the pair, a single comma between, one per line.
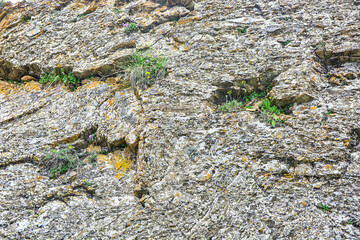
(130,27)
(87,184)
(328,113)
(241,30)
(68,79)
(286,42)
(24,19)
(324,207)
(93,158)
(144,68)
(78,17)
(61,160)
(92,138)
(230,103)
(271,112)
(328,75)
(116,10)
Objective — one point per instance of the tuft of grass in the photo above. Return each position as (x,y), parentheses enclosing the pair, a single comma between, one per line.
(144,68)
(60,161)
(230,103)
(68,79)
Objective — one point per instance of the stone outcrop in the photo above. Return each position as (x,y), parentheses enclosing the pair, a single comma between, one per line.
(166,163)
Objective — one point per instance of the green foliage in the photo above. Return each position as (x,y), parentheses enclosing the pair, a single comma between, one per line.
(62,160)
(2,2)
(93,158)
(88,184)
(117,11)
(78,17)
(130,27)
(230,103)
(24,19)
(92,138)
(328,75)
(241,30)
(144,68)
(271,112)
(328,113)
(324,207)
(59,161)
(286,42)
(68,79)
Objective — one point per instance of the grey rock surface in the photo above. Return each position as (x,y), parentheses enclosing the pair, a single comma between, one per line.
(169,164)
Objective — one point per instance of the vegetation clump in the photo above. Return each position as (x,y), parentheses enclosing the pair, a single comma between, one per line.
(270,111)
(230,103)
(61,76)
(144,68)
(60,161)
(130,27)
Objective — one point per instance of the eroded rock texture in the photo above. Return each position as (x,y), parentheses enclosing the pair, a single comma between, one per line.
(187,170)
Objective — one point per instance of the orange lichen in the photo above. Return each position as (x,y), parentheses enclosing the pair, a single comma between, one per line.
(93,84)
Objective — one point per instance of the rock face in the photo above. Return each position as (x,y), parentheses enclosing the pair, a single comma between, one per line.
(165,163)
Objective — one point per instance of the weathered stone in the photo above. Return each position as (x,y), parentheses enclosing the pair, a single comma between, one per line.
(28,78)
(193,172)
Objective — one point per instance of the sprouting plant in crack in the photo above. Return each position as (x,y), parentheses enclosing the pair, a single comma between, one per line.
(87,184)
(286,42)
(270,111)
(63,159)
(230,103)
(144,68)
(241,30)
(92,138)
(324,207)
(130,27)
(60,76)
(328,113)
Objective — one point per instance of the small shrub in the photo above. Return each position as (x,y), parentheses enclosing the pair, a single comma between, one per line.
(24,19)
(61,160)
(130,27)
(144,68)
